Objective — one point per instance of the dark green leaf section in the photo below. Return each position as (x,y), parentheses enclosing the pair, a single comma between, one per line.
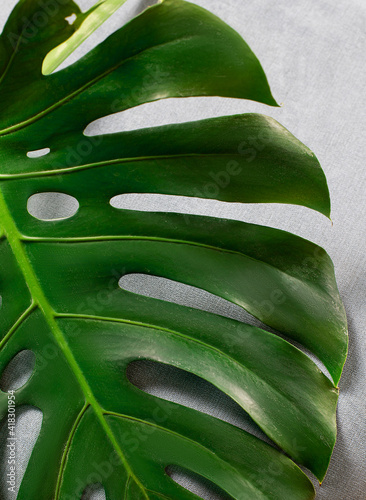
(245,158)
(152,57)
(31,31)
(11,285)
(152,433)
(267,387)
(53,389)
(85,330)
(241,456)
(256,381)
(285,281)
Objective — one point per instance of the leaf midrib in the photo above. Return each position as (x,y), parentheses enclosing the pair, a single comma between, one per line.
(16,244)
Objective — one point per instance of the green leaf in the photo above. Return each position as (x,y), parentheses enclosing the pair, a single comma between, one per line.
(59,280)
(86,23)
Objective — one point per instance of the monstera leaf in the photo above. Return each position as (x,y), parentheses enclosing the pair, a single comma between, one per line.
(60,279)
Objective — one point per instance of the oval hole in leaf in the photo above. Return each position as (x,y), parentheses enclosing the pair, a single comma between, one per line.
(38,152)
(182,387)
(94,492)
(197,484)
(27,428)
(18,371)
(52,206)
(180,293)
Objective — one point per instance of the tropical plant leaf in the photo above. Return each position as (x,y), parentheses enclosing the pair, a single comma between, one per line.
(60,279)
(85,24)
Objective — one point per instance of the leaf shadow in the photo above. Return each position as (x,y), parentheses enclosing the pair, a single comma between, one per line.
(340,467)
(353,363)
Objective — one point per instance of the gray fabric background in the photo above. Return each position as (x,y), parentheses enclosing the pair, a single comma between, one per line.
(313,52)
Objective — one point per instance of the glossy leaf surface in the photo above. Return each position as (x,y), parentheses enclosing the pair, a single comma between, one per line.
(60,279)
(85,24)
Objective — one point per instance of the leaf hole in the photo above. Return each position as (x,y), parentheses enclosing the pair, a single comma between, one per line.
(38,153)
(94,491)
(152,202)
(52,206)
(71,19)
(197,484)
(28,423)
(18,371)
(182,294)
(187,389)
(277,215)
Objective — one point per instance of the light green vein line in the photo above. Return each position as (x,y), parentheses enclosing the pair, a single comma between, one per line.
(29,121)
(237,363)
(33,119)
(16,325)
(159,427)
(161,495)
(14,239)
(223,463)
(126,487)
(11,59)
(158,239)
(116,161)
(147,325)
(66,451)
(15,51)
(86,239)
